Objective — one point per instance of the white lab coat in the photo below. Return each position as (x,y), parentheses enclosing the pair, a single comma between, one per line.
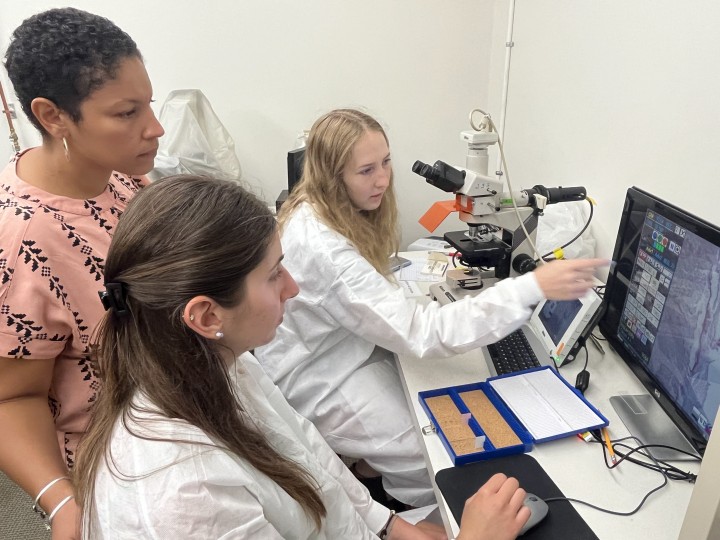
(198,492)
(325,360)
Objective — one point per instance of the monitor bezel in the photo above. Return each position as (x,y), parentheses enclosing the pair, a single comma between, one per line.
(616,291)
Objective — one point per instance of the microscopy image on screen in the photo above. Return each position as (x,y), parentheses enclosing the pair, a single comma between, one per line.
(672,313)
(556,316)
(687,346)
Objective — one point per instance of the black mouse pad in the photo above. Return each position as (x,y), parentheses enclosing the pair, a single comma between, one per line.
(562,521)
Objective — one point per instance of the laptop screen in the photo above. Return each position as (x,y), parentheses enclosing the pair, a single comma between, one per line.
(557,316)
(559,323)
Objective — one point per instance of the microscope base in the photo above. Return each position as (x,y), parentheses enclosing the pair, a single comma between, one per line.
(444,293)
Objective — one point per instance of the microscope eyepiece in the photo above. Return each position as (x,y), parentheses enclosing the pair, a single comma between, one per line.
(441,175)
(423,169)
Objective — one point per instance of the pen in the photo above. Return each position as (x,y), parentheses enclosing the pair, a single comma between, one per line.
(609,444)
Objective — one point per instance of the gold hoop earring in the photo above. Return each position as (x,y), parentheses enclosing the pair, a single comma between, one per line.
(65,146)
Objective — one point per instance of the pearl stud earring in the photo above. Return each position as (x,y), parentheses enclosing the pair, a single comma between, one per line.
(219,334)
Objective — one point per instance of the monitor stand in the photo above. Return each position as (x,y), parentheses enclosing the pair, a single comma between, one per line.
(646,420)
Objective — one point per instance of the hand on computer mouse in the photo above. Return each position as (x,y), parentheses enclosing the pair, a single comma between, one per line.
(538,511)
(496,511)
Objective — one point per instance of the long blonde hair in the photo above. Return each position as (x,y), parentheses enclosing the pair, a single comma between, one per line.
(374,233)
(169,247)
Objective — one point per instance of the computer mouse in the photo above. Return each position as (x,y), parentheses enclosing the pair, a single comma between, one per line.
(538,511)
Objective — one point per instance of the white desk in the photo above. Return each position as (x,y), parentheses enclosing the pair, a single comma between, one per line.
(575,466)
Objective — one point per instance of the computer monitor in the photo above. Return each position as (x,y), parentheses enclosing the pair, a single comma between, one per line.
(663,318)
(295,162)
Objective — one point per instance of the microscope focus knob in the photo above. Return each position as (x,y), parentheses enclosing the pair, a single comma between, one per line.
(524,263)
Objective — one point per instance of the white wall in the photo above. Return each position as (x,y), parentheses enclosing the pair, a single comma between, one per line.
(605,94)
(610,94)
(271,67)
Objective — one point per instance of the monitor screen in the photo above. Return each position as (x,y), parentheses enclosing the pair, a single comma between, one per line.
(295,160)
(663,309)
(557,315)
(562,326)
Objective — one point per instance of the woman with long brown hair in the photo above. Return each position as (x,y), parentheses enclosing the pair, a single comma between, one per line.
(189,438)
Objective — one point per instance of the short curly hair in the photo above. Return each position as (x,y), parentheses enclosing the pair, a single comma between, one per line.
(64,55)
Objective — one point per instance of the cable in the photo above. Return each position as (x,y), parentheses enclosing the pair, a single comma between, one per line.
(671,471)
(657,467)
(600,290)
(582,381)
(614,512)
(587,357)
(578,235)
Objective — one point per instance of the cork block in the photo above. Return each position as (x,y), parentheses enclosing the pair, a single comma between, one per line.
(491,421)
(457,432)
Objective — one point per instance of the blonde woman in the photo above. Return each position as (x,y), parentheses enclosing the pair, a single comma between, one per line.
(332,357)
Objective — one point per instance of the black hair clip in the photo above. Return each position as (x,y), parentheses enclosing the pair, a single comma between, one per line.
(114,297)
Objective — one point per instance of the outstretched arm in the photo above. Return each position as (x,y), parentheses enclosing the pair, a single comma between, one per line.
(567,279)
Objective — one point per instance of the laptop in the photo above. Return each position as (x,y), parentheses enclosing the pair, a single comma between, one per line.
(555,328)
(554,331)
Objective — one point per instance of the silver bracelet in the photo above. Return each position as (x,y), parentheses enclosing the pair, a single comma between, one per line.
(385,531)
(36,506)
(48,523)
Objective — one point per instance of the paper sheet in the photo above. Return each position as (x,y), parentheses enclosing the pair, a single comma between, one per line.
(544,404)
(410,288)
(413,272)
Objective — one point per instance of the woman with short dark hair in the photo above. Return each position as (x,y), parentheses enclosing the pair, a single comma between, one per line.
(81,81)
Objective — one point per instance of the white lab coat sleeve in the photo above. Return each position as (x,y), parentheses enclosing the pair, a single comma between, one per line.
(365,302)
(196,498)
(374,514)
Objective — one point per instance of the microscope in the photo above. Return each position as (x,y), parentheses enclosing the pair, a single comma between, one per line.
(502,226)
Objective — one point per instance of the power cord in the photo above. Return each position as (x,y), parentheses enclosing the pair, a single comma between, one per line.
(669,472)
(582,381)
(578,235)
(614,512)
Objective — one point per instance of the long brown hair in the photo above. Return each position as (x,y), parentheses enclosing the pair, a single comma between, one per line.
(181,237)
(374,233)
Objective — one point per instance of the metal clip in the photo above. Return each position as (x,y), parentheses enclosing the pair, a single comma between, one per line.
(429,429)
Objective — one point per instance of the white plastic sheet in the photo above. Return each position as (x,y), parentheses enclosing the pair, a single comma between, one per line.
(560,223)
(195,140)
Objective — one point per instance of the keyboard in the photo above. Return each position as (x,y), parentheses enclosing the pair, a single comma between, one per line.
(512,353)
